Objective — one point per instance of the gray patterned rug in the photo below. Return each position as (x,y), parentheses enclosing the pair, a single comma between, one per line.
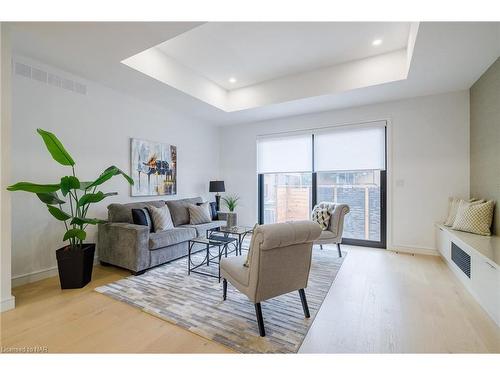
(195,303)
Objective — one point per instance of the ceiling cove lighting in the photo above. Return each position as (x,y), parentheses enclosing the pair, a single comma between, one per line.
(377,42)
(232,80)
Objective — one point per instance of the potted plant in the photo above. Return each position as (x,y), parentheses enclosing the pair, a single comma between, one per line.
(75,260)
(231,201)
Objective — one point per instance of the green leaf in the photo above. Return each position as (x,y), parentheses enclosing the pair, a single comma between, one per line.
(58,214)
(93,198)
(82,221)
(75,233)
(34,188)
(55,147)
(108,173)
(84,185)
(50,198)
(68,183)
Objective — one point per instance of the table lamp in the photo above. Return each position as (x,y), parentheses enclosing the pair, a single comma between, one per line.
(217,187)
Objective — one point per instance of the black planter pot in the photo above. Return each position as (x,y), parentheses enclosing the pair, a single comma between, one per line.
(75,266)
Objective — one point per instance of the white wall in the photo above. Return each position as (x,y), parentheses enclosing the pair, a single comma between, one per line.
(6,299)
(96,129)
(428,161)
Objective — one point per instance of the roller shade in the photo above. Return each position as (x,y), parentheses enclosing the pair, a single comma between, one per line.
(350,148)
(290,153)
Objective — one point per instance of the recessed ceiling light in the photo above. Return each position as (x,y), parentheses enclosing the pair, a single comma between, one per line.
(377,42)
(232,80)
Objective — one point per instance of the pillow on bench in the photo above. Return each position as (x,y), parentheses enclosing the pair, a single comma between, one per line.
(474,217)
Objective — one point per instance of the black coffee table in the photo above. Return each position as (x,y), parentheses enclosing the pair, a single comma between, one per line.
(211,241)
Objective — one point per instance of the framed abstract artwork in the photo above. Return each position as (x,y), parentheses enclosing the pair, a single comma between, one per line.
(153,168)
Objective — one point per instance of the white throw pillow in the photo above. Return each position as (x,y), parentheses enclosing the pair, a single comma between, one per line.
(161,218)
(199,214)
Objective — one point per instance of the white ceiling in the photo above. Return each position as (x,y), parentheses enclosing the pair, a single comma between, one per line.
(446,57)
(256,52)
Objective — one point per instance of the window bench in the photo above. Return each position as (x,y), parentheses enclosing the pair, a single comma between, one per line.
(475,260)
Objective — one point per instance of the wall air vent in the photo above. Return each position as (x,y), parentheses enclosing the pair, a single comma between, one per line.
(49,78)
(461,259)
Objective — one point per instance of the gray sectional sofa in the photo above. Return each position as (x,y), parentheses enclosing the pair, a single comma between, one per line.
(122,243)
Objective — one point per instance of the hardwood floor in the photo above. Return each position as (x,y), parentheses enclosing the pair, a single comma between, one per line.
(84,321)
(380,302)
(385,302)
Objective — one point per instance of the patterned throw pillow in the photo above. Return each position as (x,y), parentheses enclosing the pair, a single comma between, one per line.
(322,216)
(161,218)
(454,204)
(474,217)
(199,214)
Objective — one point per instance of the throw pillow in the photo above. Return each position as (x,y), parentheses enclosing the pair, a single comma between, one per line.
(161,218)
(452,210)
(321,215)
(213,209)
(140,216)
(475,217)
(249,256)
(199,214)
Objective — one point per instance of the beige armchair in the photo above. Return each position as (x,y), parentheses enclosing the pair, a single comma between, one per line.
(333,234)
(279,260)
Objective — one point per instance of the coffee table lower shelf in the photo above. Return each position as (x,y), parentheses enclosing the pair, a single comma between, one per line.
(211,242)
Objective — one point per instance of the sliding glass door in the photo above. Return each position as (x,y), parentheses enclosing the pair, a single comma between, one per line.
(287,197)
(342,164)
(364,192)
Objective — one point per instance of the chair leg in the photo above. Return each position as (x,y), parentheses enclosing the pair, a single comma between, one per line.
(303,299)
(340,252)
(260,320)
(321,247)
(224,289)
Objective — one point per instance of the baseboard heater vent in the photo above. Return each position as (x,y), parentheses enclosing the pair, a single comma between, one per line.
(461,259)
(49,78)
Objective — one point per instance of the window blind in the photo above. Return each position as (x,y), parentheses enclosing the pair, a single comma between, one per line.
(284,153)
(350,148)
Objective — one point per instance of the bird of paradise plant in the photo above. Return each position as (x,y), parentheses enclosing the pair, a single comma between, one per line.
(79,194)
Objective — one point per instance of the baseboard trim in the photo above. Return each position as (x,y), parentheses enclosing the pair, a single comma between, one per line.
(8,303)
(31,277)
(414,250)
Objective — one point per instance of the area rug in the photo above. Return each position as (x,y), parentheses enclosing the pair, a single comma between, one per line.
(195,303)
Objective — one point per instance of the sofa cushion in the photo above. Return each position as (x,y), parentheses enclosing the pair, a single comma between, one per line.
(201,229)
(179,209)
(170,237)
(122,213)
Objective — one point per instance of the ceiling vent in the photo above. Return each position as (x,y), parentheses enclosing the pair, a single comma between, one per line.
(49,78)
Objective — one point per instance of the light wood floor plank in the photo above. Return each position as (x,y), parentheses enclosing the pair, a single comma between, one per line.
(381,302)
